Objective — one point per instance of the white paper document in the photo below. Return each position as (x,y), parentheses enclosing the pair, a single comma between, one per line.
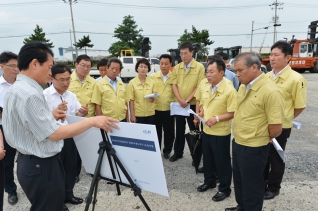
(296,125)
(192,112)
(153,95)
(279,149)
(137,148)
(176,109)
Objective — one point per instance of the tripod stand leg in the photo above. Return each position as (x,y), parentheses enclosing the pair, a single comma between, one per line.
(118,189)
(94,183)
(95,194)
(135,188)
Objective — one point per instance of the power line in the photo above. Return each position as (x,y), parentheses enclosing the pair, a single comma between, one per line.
(28,3)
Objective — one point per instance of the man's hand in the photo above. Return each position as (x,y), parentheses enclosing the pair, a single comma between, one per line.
(2,153)
(106,123)
(183,103)
(210,122)
(133,118)
(151,99)
(62,106)
(59,114)
(83,111)
(196,121)
(201,113)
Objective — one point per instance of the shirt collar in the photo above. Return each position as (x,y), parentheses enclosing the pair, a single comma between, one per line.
(3,80)
(110,80)
(52,91)
(216,86)
(79,78)
(248,86)
(31,81)
(187,67)
(280,72)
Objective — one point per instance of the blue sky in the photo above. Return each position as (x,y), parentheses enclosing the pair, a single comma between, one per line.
(229,22)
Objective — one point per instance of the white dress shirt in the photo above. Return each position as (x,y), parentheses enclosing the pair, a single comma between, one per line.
(4,86)
(165,77)
(53,99)
(280,72)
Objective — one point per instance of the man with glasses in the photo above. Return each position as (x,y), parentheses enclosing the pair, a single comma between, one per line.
(82,84)
(57,96)
(185,79)
(9,65)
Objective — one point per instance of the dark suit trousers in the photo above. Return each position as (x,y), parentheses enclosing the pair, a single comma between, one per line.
(216,155)
(165,121)
(69,159)
(149,120)
(8,160)
(275,168)
(248,167)
(1,184)
(180,131)
(43,182)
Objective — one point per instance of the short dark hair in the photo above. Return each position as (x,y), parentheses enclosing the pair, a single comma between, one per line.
(284,47)
(143,61)
(83,57)
(33,50)
(166,56)
(250,58)
(7,56)
(102,62)
(223,55)
(115,60)
(210,58)
(186,45)
(60,68)
(220,65)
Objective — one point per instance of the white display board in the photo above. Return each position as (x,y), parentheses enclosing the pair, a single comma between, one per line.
(136,147)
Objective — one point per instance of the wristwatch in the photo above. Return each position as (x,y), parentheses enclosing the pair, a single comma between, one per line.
(187,101)
(217,118)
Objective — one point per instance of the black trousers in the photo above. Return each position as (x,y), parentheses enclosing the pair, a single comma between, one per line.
(166,122)
(43,182)
(8,160)
(248,167)
(275,168)
(1,184)
(69,159)
(216,157)
(149,120)
(78,163)
(180,131)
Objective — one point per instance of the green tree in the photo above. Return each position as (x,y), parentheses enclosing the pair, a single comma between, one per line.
(197,36)
(84,43)
(38,35)
(129,37)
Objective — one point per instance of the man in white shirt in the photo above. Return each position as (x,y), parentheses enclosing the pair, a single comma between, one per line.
(9,65)
(57,96)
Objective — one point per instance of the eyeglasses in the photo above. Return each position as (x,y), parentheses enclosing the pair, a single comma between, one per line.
(83,65)
(183,53)
(62,80)
(142,66)
(13,66)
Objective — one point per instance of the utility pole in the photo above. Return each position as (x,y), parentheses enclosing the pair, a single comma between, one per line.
(252,36)
(70,2)
(275,18)
(71,47)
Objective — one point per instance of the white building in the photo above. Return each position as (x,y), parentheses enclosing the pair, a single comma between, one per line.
(65,54)
(256,49)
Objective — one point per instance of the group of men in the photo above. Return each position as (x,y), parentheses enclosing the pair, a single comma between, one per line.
(262,109)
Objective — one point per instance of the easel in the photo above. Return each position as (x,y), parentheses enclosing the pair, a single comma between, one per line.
(105,146)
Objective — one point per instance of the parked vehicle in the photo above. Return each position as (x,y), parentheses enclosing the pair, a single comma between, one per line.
(305,52)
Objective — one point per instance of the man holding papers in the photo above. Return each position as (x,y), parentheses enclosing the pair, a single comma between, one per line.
(218,101)
(185,79)
(257,119)
(163,119)
(293,87)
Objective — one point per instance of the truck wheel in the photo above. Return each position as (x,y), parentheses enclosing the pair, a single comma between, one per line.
(268,67)
(315,68)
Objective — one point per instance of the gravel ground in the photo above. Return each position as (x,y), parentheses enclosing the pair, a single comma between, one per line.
(299,187)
